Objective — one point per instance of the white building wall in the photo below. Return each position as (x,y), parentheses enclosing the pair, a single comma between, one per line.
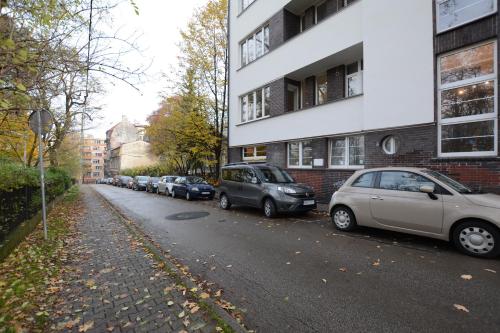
(397,42)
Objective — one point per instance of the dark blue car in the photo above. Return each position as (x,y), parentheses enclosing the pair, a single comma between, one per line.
(192,187)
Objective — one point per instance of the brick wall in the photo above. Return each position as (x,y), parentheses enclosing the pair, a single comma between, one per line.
(234,155)
(277,104)
(309,93)
(309,16)
(336,83)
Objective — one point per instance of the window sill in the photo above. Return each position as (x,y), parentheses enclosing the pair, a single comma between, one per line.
(252,121)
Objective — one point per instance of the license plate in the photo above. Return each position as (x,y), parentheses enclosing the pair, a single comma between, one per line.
(205,193)
(308,202)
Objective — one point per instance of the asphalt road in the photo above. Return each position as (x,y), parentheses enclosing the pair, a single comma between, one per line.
(298,274)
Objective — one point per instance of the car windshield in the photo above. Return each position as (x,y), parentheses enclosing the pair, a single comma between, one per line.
(195,180)
(142,178)
(272,174)
(155,179)
(450,182)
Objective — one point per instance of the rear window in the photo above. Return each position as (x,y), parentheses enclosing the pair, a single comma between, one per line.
(365,180)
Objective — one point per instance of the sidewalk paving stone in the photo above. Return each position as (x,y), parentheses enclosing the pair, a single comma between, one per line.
(116,286)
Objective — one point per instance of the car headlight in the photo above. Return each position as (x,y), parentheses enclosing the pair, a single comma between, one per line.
(286,190)
(195,189)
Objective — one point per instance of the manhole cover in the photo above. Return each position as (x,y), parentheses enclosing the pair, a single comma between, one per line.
(187,216)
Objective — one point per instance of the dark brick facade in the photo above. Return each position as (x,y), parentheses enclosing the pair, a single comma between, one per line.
(277,105)
(309,93)
(336,83)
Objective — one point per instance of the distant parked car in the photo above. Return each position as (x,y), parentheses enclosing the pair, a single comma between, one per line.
(166,184)
(116,180)
(140,183)
(421,202)
(123,181)
(109,181)
(265,187)
(192,187)
(152,184)
(130,183)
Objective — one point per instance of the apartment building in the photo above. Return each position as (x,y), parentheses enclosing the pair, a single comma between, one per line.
(324,88)
(93,154)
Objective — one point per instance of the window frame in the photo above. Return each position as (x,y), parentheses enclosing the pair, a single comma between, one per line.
(316,79)
(301,156)
(253,112)
(254,157)
(474,118)
(438,31)
(346,166)
(244,44)
(242,6)
(348,76)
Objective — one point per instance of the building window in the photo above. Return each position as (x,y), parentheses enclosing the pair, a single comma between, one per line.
(347,152)
(254,153)
(255,46)
(454,13)
(96,162)
(354,79)
(300,154)
(98,167)
(321,89)
(389,145)
(321,12)
(97,174)
(244,4)
(467,102)
(255,105)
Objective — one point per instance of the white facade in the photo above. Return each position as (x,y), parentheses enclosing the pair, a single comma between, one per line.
(396,43)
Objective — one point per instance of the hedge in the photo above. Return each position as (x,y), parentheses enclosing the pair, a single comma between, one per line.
(20,197)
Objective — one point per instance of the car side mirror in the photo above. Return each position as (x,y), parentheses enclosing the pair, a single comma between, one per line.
(255,180)
(427,189)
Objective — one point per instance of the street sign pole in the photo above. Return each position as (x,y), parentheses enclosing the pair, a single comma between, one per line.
(42,173)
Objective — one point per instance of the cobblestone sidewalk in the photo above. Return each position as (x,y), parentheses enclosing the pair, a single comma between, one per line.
(116,286)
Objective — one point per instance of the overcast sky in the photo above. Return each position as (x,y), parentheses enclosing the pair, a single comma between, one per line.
(158,23)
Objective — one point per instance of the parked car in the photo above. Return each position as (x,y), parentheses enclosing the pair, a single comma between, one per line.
(192,187)
(421,202)
(130,183)
(264,186)
(139,183)
(152,184)
(109,181)
(166,184)
(116,180)
(123,181)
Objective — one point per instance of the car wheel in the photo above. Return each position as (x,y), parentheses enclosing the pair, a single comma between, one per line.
(167,192)
(173,194)
(188,196)
(224,202)
(343,219)
(477,239)
(269,208)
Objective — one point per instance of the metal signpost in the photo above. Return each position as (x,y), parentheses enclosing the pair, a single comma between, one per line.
(40,122)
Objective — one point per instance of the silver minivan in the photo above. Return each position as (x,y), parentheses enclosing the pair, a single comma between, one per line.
(166,184)
(421,202)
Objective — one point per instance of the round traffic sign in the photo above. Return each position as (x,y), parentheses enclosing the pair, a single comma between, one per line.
(45,121)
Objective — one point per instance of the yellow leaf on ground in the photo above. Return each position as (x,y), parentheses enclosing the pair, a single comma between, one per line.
(204,295)
(466,277)
(85,327)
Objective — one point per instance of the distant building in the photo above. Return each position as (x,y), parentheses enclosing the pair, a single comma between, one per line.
(93,154)
(128,148)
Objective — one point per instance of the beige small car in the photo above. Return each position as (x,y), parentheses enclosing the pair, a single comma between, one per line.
(421,202)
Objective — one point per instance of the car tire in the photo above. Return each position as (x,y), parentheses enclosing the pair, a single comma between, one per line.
(167,192)
(188,196)
(173,194)
(343,218)
(224,202)
(269,208)
(476,238)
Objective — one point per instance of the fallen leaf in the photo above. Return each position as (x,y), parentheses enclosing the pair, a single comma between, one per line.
(288,263)
(182,314)
(466,277)
(85,327)
(376,263)
(343,269)
(297,252)
(218,293)
(195,309)
(229,266)
(461,308)
(110,328)
(490,270)
(170,303)
(324,280)
(204,295)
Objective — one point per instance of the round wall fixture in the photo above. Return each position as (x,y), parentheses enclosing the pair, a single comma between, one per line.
(389,145)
